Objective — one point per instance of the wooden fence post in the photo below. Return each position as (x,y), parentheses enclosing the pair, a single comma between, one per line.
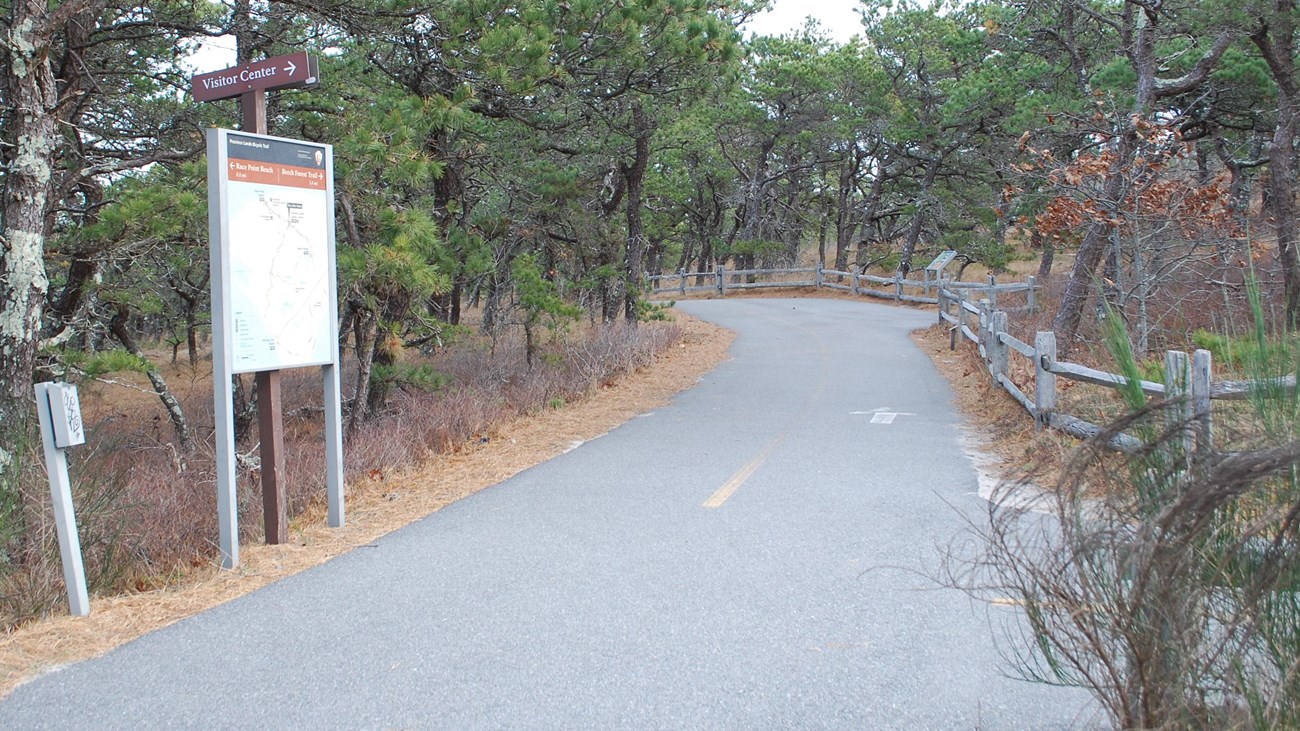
(817,277)
(681,287)
(1044,379)
(1030,294)
(943,303)
(857,284)
(993,293)
(898,285)
(1179,409)
(720,271)
(1202,368)
(986,327)
(999,352)
(961,318)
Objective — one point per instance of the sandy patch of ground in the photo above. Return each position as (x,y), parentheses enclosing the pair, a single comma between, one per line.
(374,507)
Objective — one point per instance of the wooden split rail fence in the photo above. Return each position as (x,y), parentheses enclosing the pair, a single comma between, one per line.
(1188,381)
(897,287)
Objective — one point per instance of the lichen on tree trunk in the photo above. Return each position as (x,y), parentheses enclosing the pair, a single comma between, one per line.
(634,174)
(30,140)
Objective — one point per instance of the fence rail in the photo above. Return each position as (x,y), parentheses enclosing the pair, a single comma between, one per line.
(899,286)
(1187,378)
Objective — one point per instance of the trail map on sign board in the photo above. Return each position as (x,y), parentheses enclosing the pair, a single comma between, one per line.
(277,265)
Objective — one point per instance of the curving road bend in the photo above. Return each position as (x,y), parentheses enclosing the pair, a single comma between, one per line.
(752,556)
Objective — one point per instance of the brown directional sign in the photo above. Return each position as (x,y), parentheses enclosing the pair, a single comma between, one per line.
(280,72)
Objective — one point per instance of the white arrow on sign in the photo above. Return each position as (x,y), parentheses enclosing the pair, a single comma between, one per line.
(292,68)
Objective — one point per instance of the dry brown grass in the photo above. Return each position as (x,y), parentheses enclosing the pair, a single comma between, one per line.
(996,424)
(376,505)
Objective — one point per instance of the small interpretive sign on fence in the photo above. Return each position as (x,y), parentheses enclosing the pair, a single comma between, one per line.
(941,261)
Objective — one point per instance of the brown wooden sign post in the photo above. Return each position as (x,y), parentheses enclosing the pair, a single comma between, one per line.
(250,82)
(291,71)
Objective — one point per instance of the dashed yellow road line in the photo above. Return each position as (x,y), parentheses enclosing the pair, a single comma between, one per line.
(730,486)
(744,473)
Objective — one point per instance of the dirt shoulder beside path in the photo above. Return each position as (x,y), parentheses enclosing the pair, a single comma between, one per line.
(999,435)
(374,509)
(380,506)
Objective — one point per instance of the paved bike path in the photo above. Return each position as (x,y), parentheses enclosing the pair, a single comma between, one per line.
(751,556)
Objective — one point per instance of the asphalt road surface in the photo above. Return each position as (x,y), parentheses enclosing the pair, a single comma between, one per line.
(754,555)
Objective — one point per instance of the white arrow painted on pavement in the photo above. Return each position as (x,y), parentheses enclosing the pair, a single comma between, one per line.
(881,415)
(881,410)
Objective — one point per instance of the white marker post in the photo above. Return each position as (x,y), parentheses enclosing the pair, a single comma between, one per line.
(61,427)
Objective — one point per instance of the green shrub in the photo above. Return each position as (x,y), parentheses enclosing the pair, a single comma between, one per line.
(420,376)
(654,311)
(1247,352)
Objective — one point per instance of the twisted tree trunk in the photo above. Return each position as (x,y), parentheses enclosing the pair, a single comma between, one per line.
(634,174)
(1276,42)
(175,413)
(1139,37)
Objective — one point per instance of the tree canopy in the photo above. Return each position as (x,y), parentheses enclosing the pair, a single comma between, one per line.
(572,146)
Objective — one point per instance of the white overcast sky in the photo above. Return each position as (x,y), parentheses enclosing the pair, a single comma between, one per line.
(838,17)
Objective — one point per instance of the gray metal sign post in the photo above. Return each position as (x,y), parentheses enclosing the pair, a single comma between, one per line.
(59,411)
(274,293)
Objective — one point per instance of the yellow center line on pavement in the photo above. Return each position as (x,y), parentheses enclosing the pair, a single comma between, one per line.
(730,486)
(744,473)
